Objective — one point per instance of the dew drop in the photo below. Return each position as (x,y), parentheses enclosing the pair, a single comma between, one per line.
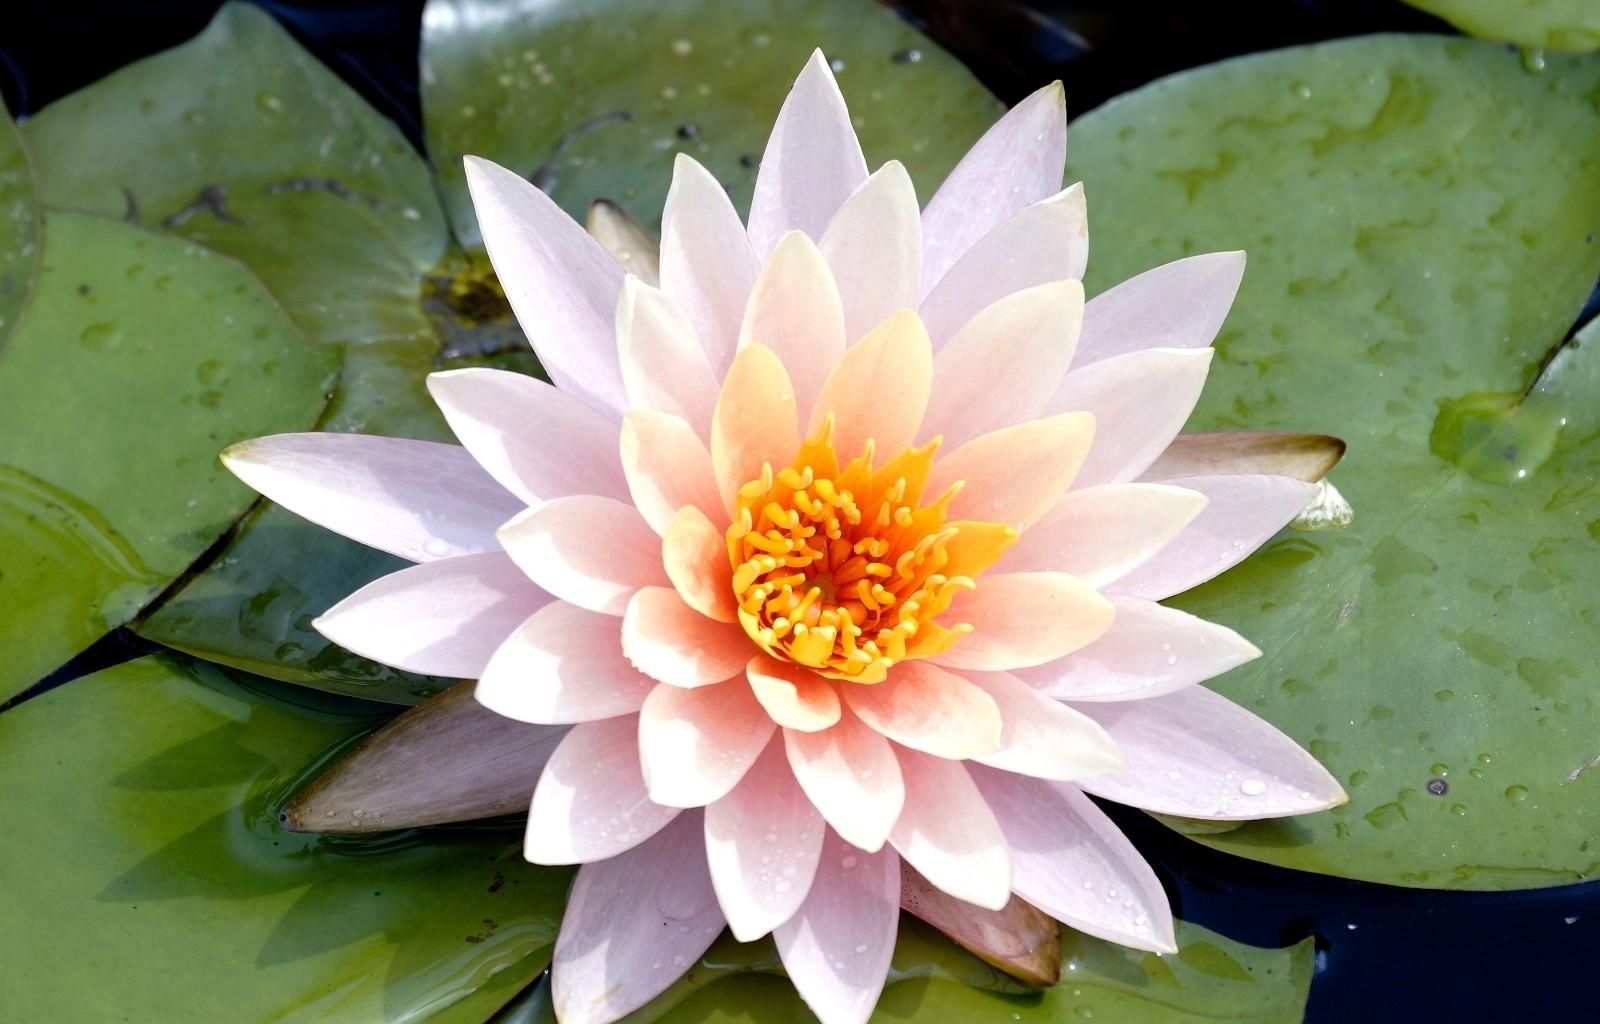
(437,547)
(1252,787)
(849,862)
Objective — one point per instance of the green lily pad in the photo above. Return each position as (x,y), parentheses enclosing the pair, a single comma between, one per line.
(20,227)
(1422,224)
(1569,25)
(152,853)
(137,358)
(594,100)
(1212,979)
(241,140)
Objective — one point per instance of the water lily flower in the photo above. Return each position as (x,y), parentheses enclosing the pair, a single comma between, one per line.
(838,546)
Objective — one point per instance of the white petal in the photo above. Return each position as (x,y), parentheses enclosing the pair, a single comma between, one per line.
(443,618)
(949,834)
(812,162)
(416,499)
(538,441)
(873,245)
(795,311)
(563,664)
(1002,367)
(590,802)
(762,841)
(1100,534)
(664,366)
(1048,241)
(1018,162)
(928,708)
(1197,754)
(837,948)
(593,552)
(1178,305)
(707,265)
(1069,860)
(671,642)
(668,467)
(1140,401)
(560,282)
(633,925)
(852,776)
(1148,651)
(1043,738)
(1243,512)
(696,744)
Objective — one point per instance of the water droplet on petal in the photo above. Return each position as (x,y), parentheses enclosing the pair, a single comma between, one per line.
(1252,787)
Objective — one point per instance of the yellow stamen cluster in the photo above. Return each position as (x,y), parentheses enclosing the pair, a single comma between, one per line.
(843,570)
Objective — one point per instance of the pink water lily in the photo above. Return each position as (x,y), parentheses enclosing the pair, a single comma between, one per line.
(838,545)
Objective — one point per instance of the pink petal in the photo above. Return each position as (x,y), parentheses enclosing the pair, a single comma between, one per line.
(755,423)
(762,842)
(949,834)
(590,802)
(415,499)
(837,947)
(812,162)
(560,282)
(795,697)
(1048,241)
(1015,475)
(1043,738)
(695,555)
(589,551)
(671,642)
(1243,513)
(1018,162)
(664,366)
(852,776)
(1002,366)
(1100,534)
(441,618)
(795,311)
(633,925)
(695,745)
(1069,860)
(1179,305)
(707,264)
(1025,618)
(1139,401)
(563,665)
(873,246)
(539,442)
(1197,754)
(667,467)
(855,395)
(926,708)
(1148,651)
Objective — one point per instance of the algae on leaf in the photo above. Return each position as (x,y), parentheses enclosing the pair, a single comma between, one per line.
(1422,225)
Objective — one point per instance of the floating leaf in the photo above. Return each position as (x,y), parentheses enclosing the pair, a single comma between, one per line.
(153,854)
(1422,223)
(20,228)
(138,357)
(1570,25)
(595,100)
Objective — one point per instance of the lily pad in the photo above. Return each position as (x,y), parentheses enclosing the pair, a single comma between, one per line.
(173,859)
(1569,25)
(137,357)
(594,100)
(20,227)
(241,140)
(1213,979)
(1423,227)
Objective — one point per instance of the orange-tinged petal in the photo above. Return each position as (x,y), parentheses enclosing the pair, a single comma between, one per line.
(976,546)
(668,468)
(879,389)
(795,697)
(1022,619)
(1015,475)
(851,775)
(696,558)
(795,311)
(927,708)
(671,642)
(755,423)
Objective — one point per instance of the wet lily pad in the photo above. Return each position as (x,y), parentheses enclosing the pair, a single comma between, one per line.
(1212,979)
(1569,25)
(152,853)
(137,356)
(1422,225)
(20,227)
(594,100)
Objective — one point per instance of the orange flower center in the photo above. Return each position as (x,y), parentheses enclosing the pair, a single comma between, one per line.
(845,570)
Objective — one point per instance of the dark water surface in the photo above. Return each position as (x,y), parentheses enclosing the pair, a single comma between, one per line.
(1384,954)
